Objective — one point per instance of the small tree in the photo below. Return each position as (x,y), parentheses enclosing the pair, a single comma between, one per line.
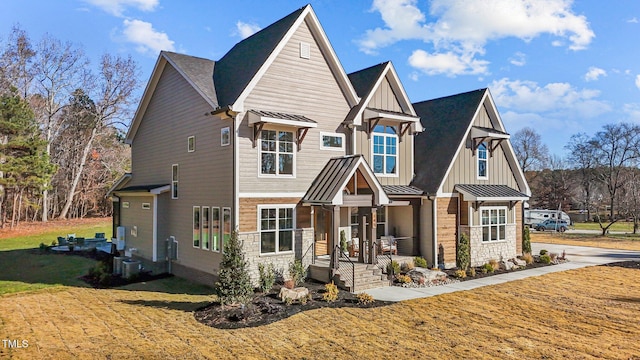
(233,285)
(463,257)
(526,241)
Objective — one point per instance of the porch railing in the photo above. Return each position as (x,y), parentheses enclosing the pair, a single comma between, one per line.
(384,261)
(311,248)
(344,266)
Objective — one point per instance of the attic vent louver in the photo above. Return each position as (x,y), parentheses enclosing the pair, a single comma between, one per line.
(305,50)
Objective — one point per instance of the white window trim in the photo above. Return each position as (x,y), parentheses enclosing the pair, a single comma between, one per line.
(486,160)
(295,151)
(222,131)
(189,149)
(325,133)
(384,156)
(386,222)
(193,226)
(258,227)
(219,233)
(506,222)
(175,182)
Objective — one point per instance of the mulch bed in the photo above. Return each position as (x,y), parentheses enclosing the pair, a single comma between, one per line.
(479,274)
(268,308)
(631,264)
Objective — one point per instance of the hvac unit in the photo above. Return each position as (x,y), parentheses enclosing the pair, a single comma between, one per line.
(117,264)
(130,268)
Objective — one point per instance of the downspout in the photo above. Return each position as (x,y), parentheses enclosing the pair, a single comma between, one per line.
(115,228)
(434,222)
(236,177)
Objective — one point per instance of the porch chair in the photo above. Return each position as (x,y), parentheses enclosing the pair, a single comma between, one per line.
(388,245)
(354,247)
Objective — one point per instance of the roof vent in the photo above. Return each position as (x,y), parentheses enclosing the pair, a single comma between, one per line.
(305,50)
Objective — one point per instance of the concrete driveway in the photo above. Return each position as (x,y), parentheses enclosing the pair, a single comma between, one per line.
(578,256)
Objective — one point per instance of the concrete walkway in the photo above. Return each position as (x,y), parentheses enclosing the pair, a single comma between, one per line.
(578,256)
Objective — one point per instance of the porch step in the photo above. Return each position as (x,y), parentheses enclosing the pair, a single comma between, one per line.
(365,276)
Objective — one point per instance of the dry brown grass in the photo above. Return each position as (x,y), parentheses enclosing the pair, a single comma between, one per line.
(585,313)
(605,242)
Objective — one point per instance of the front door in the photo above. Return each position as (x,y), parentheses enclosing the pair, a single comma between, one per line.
(323,230)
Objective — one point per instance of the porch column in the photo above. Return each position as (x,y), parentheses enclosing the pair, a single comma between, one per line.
(362,235)
(331,242)
(371,235)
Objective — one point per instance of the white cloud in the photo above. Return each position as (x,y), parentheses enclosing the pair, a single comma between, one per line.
(117,7)
(638,81)
(464,27)
(446,63)
(244,30)
(557,100)
(594,73)
(518,59)
(632,111)
(147,39)
(633,20)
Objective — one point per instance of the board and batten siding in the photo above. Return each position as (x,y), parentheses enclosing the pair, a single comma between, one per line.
(465,167)
(293,85)
(385,99)
(176,112)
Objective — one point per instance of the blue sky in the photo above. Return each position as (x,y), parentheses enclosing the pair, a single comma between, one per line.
(558,66)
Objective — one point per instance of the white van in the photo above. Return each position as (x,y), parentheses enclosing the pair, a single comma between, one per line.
(536,216)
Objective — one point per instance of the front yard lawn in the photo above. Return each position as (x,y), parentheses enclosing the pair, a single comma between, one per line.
(606,242)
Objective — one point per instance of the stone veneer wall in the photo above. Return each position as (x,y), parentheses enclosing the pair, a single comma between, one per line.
(303,238)
(482,252)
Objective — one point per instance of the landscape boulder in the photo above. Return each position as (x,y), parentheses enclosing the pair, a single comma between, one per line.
(293,294)
(519,262)
(507,265)
(424,276)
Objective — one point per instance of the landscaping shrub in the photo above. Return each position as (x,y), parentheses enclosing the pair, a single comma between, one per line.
(419,261)
(393,268)
(407,266)
(489,268)
(403,279)
(460,274)
(526,241)
(471,272)
(494,264)
(267,277)
(364,298)
(527,257)
(343,241)
(543,252)
(545,259)
(43,247)
(463,255)
(234,283)
(297,272)
(330,293)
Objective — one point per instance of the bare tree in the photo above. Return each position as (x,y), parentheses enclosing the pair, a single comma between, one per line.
(629,195)
(116,82)
(532,154)
(582,157)
(16,63)
(61,68)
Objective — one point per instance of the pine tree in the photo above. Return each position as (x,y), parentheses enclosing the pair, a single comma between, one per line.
(234,285)
(24,164)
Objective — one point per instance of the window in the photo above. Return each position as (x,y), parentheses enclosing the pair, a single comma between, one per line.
(493,221)
(146,206)
(354,222)
(191,144)
(225,136)
(174,181)
(276,229)
(226,225)
(331,141)
(215,228)
(381,221)
(125,205)
(196,226)
(276,152)
(205,227)
(385,148)
(482,161)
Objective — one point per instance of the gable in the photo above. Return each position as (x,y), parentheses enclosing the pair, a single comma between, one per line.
(297,85)
(385,98)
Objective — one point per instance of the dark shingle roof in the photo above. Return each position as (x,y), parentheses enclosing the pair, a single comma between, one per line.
(363,80)
(236,69)
(198,70)
(401,190)
(445,121)
(482,192)
(142,188)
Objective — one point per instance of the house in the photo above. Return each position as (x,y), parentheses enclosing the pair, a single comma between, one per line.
(277,141)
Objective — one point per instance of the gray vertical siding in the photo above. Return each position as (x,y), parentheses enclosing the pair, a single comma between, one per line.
(464,170)
(295,86)
(175,112)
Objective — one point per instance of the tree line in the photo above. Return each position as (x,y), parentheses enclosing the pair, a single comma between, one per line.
(600,176)
(61,128)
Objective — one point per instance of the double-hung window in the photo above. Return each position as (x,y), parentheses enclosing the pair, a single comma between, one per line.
(205,228)
(385,150)
(482,161)
(276,228)
(174,181)
(215,228)
(493,221)
(196,226)
(277,153)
